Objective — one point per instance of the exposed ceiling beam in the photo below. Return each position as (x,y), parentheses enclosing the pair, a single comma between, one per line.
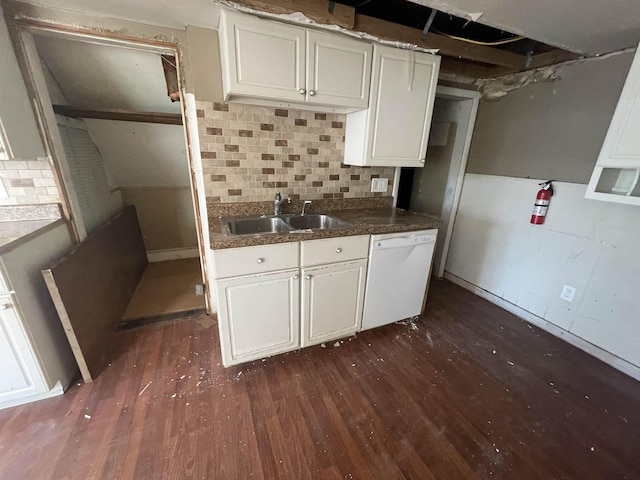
(552,57)
(117,114)
(318,10)
(461,68)
(446,45)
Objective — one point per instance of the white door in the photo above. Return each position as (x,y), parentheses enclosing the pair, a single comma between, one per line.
(258,315)
(262,59)
(338,70)
(403,90)
(19,372)
(332,301)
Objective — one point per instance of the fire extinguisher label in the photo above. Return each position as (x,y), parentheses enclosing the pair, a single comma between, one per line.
(540,210)
(541,202)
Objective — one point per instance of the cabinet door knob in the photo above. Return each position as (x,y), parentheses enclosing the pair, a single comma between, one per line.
(302,91)
(338,250)
(296,277)
(312,92)
(308,277)
(422,160)
(5,306)
(260,260)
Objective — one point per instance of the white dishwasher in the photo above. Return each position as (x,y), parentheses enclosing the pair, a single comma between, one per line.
(399,266)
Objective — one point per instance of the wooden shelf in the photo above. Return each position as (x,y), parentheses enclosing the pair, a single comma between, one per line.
(117,114)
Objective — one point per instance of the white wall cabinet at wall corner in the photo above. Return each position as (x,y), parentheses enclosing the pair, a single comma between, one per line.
(394,130)
(616,176)
(267,62)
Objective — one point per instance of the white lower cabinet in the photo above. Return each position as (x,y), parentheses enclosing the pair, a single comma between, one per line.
(20,375)
(258,315)
(263,313)
(332,300)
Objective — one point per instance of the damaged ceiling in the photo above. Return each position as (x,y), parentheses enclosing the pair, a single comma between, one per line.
(98,76)
(582,26)
(477,39)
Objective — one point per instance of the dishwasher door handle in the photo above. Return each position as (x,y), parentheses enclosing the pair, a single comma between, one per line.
(404,242)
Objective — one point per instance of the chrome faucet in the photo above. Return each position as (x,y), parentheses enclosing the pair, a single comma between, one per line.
(304,206)
(277,204)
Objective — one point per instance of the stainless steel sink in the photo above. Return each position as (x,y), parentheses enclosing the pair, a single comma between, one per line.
(315,221)
(254,225)
(282,224)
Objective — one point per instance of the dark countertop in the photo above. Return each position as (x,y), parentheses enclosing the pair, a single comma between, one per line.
(363,222)
(14,233)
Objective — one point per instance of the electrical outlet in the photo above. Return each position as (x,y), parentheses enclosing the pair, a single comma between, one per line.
(199,290)
(567,293)
(379,184)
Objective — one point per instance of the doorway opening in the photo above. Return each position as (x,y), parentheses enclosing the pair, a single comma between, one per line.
(118,137)
(435,188)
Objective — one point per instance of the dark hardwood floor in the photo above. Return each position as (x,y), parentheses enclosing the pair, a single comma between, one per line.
(469,391)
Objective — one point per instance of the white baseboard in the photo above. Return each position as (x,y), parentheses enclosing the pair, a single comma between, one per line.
(578,342)
(172,254)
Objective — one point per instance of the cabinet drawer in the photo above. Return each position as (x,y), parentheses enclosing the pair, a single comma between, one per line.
(235,262)
(330,250)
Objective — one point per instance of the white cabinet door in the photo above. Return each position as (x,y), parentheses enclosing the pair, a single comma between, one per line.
(258,315)
(332,301)
(261,58)
(338,70)
(19,372)
(616,177)
(395,129)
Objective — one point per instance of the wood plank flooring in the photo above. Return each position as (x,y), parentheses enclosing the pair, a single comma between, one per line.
(467,392)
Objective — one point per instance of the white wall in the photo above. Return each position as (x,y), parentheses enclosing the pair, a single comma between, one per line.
(587,244)
(148,163)
(23,265)
(98,202)
(15,106)
(550,129)
(544,130)
(142,154)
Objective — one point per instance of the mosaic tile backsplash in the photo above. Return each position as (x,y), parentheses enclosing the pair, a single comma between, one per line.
(249,153)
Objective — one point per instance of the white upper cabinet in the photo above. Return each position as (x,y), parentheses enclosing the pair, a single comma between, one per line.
(338,70)
(271,63)
(395,129)
(261,58)
(616,177)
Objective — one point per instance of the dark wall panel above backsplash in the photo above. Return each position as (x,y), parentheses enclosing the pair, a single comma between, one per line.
(249,153)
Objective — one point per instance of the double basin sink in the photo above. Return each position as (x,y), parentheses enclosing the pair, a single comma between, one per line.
(282,223)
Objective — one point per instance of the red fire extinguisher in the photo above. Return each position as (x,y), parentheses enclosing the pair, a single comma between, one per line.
(541,205)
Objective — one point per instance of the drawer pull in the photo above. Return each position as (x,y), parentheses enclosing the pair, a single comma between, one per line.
(260,260)
(308,277)
(338,250)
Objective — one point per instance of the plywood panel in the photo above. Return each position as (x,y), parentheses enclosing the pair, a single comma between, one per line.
(92,286)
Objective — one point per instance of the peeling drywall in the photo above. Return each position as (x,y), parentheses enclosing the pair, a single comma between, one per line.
(495,88)
(300,18)
(550,129)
